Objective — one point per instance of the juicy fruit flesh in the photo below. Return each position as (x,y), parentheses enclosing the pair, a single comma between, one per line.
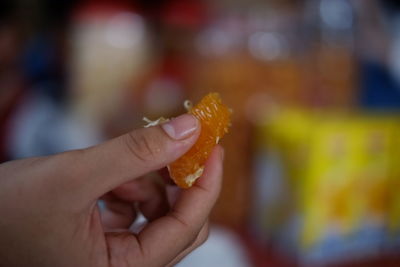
(214,118)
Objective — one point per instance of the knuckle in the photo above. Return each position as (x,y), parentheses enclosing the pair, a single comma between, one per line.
(144,147)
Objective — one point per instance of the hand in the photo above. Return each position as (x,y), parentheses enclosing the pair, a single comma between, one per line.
(48,205)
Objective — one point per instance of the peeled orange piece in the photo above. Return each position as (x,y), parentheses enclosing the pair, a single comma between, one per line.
(214,118)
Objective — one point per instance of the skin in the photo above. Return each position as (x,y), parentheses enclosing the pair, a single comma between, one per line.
(49,214)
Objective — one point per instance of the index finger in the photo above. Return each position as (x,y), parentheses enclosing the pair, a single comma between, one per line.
(163,239)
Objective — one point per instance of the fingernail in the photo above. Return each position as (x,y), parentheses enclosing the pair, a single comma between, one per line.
(181,127)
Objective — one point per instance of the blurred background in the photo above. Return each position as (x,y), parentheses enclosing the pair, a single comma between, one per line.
(312,171)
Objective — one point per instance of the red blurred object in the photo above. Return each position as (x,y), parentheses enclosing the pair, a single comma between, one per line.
(102,8)
(264,256)
(261,256)
(185,13)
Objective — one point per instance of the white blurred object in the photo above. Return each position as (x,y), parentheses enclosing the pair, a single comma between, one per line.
(223,37)
(109,51)
(125,30)
(268,46)
(40,128)
(222,249)
(394,58)
(336,14)
(331,23)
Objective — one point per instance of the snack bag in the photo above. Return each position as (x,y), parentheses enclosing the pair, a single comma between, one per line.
(281,153)
(393,217)
(372,189)
(327,200)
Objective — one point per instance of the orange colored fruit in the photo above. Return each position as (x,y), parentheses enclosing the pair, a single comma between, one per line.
(214,118)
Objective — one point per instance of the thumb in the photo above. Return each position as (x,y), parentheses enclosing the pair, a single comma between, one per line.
(104,167)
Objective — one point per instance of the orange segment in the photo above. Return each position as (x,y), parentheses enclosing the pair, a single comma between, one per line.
(214,118)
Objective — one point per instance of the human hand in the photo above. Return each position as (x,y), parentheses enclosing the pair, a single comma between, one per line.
(48,205)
